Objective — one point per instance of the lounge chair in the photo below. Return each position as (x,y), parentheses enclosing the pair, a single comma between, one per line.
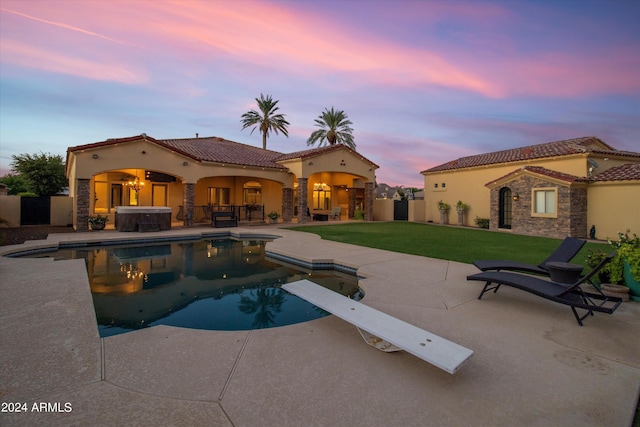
(572,295)
(569,248)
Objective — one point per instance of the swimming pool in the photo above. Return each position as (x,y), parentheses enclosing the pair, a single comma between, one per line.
(215,284)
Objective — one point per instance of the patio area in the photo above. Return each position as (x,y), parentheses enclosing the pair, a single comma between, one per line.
(532,364)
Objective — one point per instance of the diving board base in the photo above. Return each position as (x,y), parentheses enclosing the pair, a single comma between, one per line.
(378,342)
(381,330)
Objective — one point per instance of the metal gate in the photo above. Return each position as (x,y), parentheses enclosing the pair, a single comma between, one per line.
(401,210)
(35,210)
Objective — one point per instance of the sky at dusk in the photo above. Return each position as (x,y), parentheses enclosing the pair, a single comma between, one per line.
(424,82)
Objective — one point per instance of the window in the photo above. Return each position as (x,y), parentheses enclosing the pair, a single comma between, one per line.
(545,202)
(219,196)
(321,196)
(252,193)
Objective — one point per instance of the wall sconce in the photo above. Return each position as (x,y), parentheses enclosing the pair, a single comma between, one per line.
(185,163)
(516,197)
(94,156)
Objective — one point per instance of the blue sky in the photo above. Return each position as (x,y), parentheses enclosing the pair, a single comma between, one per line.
(423,82)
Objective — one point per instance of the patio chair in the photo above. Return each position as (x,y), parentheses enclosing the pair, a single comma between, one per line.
(335,212)
(572,294)
(568,249)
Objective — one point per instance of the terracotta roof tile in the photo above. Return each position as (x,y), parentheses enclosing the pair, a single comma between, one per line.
(541,171)
(549,149)
(312,152)
(626,172)
(220,150)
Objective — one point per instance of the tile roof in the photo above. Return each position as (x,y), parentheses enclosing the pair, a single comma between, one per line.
(626,172)
(540,171)
(550,149)
(220,150)
(305,154)
(205,149)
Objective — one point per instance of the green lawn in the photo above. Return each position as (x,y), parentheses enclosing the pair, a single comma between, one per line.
(451,243)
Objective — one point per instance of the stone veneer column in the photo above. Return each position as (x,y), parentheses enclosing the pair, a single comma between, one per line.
(287,204)
(303,193)
(189,204)
(353,193)
(83,197)
(368,201)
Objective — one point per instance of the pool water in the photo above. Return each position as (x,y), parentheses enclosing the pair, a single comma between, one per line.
(215,284)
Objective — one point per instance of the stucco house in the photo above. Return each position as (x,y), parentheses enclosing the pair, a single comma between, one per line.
(571,187)
(194,175)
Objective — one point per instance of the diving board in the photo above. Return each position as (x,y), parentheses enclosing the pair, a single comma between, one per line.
(384,331)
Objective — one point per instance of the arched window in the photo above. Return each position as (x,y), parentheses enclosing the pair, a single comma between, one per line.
(252,193)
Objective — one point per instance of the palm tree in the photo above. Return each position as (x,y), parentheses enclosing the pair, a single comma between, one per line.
(267,121)
(335,129)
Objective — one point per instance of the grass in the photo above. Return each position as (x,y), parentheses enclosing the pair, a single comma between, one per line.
(450,243)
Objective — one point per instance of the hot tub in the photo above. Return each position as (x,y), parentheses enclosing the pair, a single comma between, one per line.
(143,218)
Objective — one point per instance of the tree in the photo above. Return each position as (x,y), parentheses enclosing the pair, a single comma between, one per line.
(44,173)
(334,128)
(267,121)
(16,183)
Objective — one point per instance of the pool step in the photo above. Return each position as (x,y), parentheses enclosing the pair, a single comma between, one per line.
(388,330)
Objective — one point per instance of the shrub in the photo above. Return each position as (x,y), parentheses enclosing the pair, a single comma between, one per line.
(482,222)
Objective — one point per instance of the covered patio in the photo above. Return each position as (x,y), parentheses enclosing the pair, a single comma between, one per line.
(197,176)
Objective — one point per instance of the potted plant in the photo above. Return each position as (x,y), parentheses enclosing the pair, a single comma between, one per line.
(625,266)
(606,285)
(273,217)
(444,209)
(461,207)
(98,222)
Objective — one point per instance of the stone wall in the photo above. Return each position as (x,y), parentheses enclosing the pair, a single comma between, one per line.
(571,219)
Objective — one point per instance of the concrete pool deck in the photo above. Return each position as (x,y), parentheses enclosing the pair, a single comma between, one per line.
(532,364)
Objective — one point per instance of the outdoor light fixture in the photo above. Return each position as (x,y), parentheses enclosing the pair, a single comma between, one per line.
(516,197)
(94,156)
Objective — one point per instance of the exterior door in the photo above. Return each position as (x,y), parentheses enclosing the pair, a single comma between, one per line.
(504,220)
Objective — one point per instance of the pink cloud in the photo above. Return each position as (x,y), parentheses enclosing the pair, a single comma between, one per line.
(34,57)
(263,34)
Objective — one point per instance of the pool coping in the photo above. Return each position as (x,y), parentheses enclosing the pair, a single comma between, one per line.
(532,363)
